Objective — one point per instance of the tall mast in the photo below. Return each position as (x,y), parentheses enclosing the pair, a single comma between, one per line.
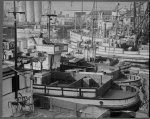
(49,15)
(93,42)
(117,19)
(49,23)
(15,25)
(16,57)
(81,16)
(81,21)
(134,25)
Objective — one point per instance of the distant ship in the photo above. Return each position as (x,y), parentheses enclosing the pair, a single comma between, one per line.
(93,42)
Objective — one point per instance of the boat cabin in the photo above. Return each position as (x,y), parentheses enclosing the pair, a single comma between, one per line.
(52,57)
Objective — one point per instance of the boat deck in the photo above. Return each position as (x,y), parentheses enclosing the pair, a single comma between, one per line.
(118,94)
(62,85)
(121,79)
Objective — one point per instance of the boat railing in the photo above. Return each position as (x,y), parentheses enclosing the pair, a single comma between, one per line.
(133,77)
(129,88)
(65,91)
(121,51)
(83,92)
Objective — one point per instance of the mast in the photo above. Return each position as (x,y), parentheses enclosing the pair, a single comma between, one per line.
(134,25)
(49,23)
(49,15)
(117,19)
(15,25)
(82,16)
(93,42)
(75,21)
(81,26)
(16,57)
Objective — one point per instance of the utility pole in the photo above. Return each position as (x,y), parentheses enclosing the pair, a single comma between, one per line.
(15,31)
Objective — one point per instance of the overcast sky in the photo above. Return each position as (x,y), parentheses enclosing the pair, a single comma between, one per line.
(68,5)
(65,5)
(73,5)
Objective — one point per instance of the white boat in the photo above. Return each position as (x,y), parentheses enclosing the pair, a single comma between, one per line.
(104,49)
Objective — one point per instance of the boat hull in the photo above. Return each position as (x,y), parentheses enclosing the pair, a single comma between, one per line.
(115,105)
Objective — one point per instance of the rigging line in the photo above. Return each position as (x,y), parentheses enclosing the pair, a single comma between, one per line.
(131,9)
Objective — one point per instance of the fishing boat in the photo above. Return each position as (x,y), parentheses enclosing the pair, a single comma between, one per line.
(107,46)
(88,88)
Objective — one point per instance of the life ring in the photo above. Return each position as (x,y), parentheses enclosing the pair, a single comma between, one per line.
(11,45)
(101,102)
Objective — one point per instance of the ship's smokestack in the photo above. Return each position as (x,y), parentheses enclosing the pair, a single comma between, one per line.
(30,11)
(38,11)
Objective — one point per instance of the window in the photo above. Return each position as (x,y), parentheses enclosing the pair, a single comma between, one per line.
(15,83)
(35,81)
